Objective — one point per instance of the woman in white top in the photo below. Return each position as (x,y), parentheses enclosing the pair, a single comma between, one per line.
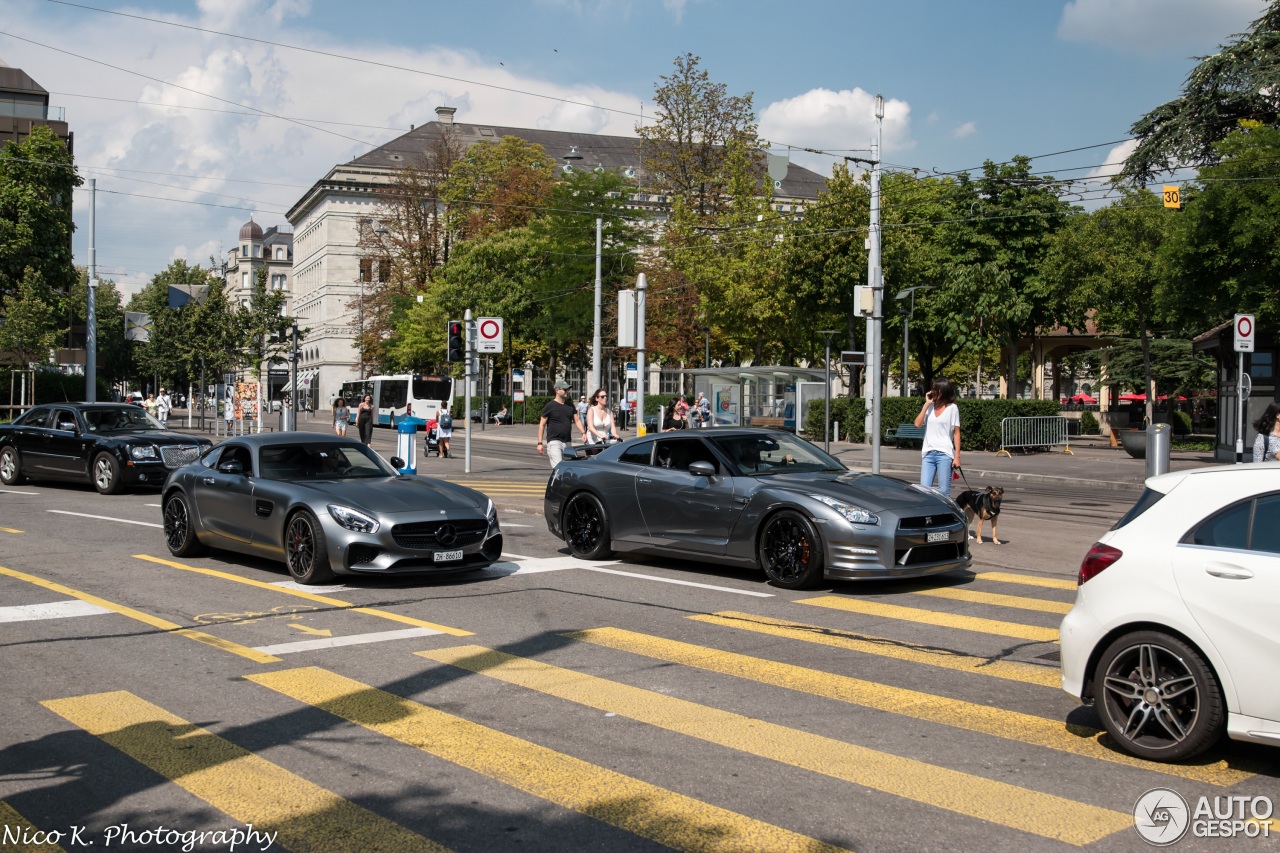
(1266,447)
(599,420)
(941,447)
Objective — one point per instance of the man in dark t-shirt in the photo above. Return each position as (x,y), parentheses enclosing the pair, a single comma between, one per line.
(557,423)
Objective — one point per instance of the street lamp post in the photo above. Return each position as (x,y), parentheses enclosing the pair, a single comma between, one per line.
(826,423)
(293,393)
(907,314)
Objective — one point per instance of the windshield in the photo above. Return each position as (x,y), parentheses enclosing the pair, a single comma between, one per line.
(432,388)
(775,453)
(122,418)
(321,460)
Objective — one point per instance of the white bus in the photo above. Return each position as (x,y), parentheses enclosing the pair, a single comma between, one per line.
(393,395)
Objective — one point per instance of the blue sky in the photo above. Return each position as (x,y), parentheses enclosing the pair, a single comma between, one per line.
(964,82)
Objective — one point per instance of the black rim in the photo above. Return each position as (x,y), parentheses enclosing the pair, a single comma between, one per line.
(787,549)
(301,545)
(583,525)
(1152,695)
(176,523)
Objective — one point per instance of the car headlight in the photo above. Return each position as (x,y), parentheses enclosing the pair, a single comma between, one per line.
(852,514)
(491,511)
(143,451)
(353,519)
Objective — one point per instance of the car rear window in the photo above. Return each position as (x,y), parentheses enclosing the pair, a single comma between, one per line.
(1149,499)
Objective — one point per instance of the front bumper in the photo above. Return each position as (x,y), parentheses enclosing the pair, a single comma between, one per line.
(392,550)
(873,551)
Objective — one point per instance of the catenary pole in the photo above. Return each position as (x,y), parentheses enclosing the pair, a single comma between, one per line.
(466,387)
(595,338)
(91,310)
(876,282)
(642,284)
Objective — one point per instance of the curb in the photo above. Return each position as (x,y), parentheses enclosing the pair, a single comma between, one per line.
(1007,476)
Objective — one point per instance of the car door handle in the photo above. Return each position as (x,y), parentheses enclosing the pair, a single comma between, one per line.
(1228,572)
(644,479)
(208,481)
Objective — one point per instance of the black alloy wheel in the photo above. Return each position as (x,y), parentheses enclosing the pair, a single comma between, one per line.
(106,474)
(179,534)
(790,551)
(10,466)
(1158,697)
(305,551)
(586,527)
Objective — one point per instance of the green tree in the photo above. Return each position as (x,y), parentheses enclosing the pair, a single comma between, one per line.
(37,178)
(1172,365)
(180,336)
(29,329)
(1238,83)
(494,187)
(115,355)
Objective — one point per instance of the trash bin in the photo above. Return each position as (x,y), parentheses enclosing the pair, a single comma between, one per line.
(1159,439)
(406,446)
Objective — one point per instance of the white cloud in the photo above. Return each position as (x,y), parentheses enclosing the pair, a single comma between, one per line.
(1114,160)
(1157,26)
(822,118)
(969,128)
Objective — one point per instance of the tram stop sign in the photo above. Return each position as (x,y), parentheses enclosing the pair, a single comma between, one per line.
(489,334)
(1244,333)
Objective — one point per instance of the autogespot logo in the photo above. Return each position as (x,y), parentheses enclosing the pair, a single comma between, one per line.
(1161,816)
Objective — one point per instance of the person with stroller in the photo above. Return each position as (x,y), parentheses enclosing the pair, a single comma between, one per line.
(445,426)
(599,420)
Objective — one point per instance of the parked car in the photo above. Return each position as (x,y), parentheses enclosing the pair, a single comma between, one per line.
(326,506)
(111,445)
(752,497)
(1173,632)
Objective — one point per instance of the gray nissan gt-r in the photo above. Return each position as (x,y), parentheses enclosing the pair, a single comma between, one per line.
(326,506)
(753,497)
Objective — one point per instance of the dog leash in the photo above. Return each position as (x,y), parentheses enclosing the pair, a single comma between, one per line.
(963,477)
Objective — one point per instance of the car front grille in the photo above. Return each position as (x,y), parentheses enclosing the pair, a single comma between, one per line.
(928,522)
(177,455)
(939,552)
(433,534)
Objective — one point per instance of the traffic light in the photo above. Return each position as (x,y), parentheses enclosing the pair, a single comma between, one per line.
(457,346)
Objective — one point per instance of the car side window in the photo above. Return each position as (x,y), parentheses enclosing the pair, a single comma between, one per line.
(1266,525)
(237,453)
(36,418)
(1227,529)
(638,455)
(65,420)
(678,454)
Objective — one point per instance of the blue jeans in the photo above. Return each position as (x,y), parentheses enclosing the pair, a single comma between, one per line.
(936,465)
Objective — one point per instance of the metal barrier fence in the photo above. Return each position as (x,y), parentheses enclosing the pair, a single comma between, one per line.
(1047,432)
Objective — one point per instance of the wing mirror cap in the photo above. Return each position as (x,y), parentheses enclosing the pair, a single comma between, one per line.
(702,468)
(234,466)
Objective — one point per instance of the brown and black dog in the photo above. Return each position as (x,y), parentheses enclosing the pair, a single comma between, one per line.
(985,504)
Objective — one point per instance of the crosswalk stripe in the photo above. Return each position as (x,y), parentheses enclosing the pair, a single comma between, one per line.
(971,716)
(933,617)
(235,781)
(309,596)
(9,530)
(1034,812)
(19,835)
(643,809)
(145,618)
(1027,580)
(995,599)
(1026,673)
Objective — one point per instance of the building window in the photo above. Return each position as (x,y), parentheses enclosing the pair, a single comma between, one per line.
(366,269)
(244,250)
(279,253)
(244,280)
(384,270)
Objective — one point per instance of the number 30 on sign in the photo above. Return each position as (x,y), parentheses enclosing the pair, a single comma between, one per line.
(1172,196)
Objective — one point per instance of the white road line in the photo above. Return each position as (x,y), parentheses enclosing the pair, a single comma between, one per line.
(681,583)
(352,640)
(15,492)
(313,588)
(106,518)
(157,506)
(53,610)
(510,524)
(531,566)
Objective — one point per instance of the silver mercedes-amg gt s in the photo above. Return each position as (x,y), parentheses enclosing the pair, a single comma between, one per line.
(326,506)
(753,497)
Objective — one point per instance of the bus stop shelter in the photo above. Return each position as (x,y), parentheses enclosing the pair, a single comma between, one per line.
(759,396)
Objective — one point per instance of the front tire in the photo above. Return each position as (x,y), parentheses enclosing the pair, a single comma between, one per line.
(106,474)
(586,527)
(306,553)
(10,466)
(179,532)
(1158,697)
(790,551)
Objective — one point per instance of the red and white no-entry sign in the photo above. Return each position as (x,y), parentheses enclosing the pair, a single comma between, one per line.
(1244,333)
(489,334)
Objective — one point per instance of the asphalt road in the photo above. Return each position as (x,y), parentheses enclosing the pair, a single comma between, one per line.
(551,704)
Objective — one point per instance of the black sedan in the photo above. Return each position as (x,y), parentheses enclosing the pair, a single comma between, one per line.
(326,505)
(753,497)
(112,445)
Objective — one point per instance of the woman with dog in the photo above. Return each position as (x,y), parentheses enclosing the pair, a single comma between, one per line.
(1266,447)
(940,450)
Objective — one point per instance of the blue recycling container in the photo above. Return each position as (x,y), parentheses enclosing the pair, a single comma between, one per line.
(406,447)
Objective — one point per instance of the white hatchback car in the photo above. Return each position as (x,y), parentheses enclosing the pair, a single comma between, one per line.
(1175,631)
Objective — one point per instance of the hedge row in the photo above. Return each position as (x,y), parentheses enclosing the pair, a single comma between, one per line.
(979,419)
(533,404)
(52,386)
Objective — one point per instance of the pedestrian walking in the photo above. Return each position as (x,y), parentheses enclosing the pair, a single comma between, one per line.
(364,418)
(624,412)
(599,420)
(151,406)
(556,424)
(444,429)
(940,449)
(163,404)
(341,416)
(582,407)
(1266,447)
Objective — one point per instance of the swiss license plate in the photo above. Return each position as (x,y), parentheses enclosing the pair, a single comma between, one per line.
(448,556)
(940,536)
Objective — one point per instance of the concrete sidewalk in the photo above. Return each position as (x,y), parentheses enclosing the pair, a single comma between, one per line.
(1091,464)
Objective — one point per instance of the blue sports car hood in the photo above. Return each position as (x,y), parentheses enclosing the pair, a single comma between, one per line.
(869,491)
(397,494)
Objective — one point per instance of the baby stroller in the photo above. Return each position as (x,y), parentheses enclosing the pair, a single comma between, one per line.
(432,441)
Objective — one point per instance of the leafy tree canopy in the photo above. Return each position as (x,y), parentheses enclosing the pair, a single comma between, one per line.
(37,178)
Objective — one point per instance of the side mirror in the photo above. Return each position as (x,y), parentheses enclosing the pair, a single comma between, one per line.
(67,426)
(396,462)
(702,468)
(232,466)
